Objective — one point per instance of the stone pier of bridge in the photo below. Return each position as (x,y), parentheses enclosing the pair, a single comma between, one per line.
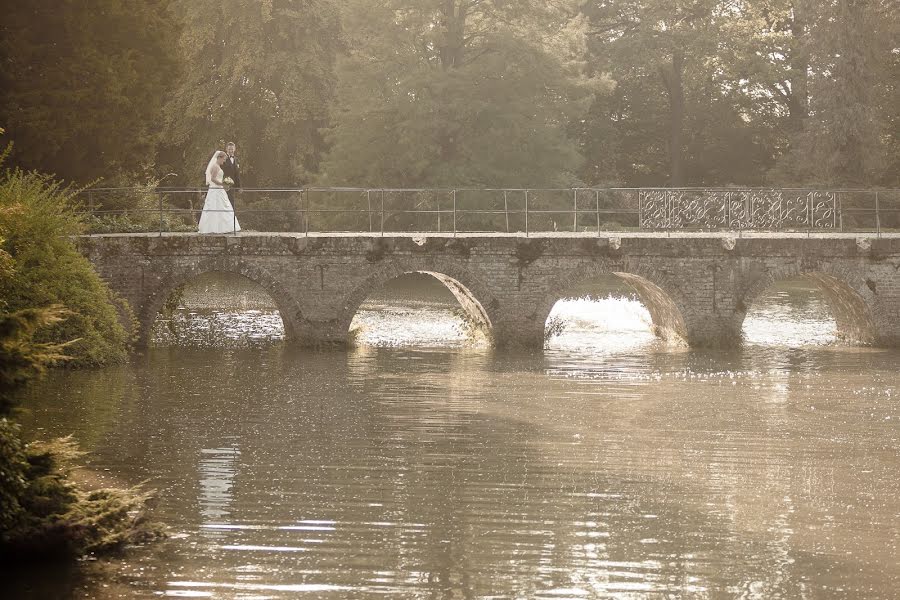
(697,288)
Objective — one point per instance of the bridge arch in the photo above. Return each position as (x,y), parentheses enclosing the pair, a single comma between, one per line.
(846,294)
(661,299)
(156,299)
(473,295)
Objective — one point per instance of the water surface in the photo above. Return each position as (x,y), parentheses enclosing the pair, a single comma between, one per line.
(610,465)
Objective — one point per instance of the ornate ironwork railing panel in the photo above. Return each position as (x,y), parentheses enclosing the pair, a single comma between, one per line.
(763,209)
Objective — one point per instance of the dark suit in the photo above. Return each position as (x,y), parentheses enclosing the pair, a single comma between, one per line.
(232,168)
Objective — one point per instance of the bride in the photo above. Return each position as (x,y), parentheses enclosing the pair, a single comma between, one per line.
(218,214)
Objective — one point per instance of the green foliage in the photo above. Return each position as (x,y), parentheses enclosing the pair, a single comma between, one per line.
(37,215)
(21,357)
(41,511)
(270,212)
(457,93)
(81,86)
(714,93)
(137,209)
(676,117)
(12,475)
(843,142)
(468,95)
(43,514)
(256,73)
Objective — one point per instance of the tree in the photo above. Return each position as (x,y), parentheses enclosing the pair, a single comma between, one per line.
(843,144)
(769,56)
(458,93)
(890,103)
(663,50)
(256,73)
(81,90)
(819,74)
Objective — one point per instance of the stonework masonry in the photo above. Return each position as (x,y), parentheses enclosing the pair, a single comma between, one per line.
(696,288)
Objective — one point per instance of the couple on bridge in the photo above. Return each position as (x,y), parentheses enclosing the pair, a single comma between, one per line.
(222,173)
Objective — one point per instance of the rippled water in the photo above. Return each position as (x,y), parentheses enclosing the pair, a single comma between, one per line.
(610,465)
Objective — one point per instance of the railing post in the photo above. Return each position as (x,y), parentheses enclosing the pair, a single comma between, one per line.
(526,213)
(877,216)
(506,209)
(810,219)
(840,209)
(575,224)
(438,196)
(382,213)
(304,201)
(727,210)
(640,194)
(369,204)
(454,213)
(597,198)
(160,214)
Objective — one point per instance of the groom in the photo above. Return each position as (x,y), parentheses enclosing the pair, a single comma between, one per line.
(231,168)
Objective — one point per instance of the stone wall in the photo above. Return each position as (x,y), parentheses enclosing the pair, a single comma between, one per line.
(698,288)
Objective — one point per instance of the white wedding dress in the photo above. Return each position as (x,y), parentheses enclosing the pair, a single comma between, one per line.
(218,214)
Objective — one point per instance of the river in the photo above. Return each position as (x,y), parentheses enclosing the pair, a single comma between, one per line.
(424,464)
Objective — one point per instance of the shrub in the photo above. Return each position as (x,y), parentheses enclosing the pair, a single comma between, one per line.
(12,475)
(136,209)
(38,216)
(42,513)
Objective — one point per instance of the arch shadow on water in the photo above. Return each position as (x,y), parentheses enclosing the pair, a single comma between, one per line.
(420,309)
(218,309)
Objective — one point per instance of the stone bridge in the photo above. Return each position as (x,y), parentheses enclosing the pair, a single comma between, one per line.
(697,287)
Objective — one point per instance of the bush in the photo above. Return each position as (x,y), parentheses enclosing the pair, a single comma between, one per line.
(136,209)
(12,475)
(42,513)
(38,216)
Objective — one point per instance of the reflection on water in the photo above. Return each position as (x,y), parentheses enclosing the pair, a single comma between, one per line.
(790,314)
(217,471)
(600,325)
(218,310)
(227,311)
(408,323)
(218,328)
(648,472)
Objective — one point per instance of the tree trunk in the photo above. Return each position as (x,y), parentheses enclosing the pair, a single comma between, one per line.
(798,100)
(453,16)
(673,79)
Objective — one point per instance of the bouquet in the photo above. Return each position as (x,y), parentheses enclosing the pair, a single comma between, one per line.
(228,181)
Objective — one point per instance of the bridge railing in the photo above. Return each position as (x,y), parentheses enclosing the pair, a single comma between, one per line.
(575,210)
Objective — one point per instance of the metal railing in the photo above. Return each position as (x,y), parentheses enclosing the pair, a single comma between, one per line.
(515,211)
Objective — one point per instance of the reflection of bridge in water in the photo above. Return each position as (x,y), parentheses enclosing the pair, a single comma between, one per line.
(696,285)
